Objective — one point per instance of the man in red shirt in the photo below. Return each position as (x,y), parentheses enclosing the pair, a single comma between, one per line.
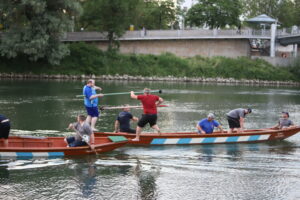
(150,102)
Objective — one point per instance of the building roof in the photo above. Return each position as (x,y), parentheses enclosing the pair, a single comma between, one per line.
(262,19)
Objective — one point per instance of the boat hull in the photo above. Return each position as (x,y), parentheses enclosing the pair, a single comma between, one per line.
(189,138)
(53,147)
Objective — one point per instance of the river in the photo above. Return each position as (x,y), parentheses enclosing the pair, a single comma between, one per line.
(243,171)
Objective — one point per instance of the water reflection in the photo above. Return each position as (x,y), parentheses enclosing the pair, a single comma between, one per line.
(146,181)
(85,171)
(235,152)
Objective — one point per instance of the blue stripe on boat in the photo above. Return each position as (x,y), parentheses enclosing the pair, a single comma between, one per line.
(158,141)
(209,140)
(232,139)
(253,137)
(56,154)
(27,155)
(184,141)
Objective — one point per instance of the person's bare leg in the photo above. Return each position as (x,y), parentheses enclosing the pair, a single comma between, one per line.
(93,123)
(238,130)
(156,128)
(5,142)
(88,119)
(138,133)
(65,140)
(230,130)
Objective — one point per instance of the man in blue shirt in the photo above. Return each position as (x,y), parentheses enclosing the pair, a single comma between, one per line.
(122,124)
(207,125)
(4,129)
(91,99)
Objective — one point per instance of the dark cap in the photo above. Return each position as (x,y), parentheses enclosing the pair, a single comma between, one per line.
(286,113)
(249,110)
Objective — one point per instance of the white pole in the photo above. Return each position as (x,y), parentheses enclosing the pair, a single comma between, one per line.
(295,50)
(273,35)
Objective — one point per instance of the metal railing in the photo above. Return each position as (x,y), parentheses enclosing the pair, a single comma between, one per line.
(170,34)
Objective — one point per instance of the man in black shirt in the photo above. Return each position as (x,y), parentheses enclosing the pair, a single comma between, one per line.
(122,123)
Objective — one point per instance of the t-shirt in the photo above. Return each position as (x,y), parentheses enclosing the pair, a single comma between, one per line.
(124,120)
(237,113)
(149,103)
(2,117)
(208,126)
(85,129)
(88,92)
(285,122)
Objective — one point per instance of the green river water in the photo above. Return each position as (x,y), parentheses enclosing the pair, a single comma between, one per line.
(243,171)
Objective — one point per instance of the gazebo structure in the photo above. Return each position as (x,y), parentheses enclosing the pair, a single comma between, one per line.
(264,20)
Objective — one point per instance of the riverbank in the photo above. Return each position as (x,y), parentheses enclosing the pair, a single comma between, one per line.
(142,78)
(86,60)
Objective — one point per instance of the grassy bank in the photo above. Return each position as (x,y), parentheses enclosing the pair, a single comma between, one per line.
(87,59)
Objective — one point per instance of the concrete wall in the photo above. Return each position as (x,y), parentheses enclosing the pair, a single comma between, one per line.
(185,48)
(278,61)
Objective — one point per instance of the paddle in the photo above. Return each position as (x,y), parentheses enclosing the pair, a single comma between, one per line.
(121,107)
(120,93)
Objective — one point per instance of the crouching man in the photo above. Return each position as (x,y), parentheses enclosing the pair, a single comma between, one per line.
(84,134)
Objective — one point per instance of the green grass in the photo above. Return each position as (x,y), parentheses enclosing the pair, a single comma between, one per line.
(87,59)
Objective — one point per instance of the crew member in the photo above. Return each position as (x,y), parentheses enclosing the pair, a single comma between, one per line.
(91,102)
(236,119)
(122,123)
(150,103)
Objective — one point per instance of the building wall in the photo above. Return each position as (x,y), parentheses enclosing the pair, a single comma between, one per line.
(185,48)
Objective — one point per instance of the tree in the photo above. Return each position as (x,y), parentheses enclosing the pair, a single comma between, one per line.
(158,14)
(285,11)
(34,28)
(112,17)
(214,13)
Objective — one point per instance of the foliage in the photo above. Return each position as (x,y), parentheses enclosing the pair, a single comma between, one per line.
(286,11)
(87,59)
(214,13)
(157,14)
(112,17)
(34,27)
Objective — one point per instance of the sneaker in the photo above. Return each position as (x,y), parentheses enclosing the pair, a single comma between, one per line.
(135,140)
(94,129)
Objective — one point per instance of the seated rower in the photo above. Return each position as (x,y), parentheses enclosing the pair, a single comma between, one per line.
(122,123)
(206,126)
(284,121)
(84,134)
(4,129)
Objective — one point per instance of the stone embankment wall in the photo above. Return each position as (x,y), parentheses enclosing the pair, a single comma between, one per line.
(141,78)
(185,47)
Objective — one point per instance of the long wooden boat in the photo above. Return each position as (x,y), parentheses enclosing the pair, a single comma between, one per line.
(27,146)
(187,138)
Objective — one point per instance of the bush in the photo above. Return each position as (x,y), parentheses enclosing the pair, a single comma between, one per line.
(87,59)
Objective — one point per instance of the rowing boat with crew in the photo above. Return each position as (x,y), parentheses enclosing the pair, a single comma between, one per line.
(188,138)
(28,146)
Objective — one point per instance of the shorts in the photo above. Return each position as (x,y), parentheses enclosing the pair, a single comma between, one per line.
(75,143)
(128,130)
(92,111)
(147,118)
(233,122)
(4,130)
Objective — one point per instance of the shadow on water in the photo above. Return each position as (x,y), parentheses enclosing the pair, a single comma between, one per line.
(235,152)
(146,181)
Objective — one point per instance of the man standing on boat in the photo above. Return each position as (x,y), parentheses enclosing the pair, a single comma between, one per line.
(150,103)
(4,129)
(91,99)
(122,123)
(236,119)
(207,125)
(284,121)
(84,134)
